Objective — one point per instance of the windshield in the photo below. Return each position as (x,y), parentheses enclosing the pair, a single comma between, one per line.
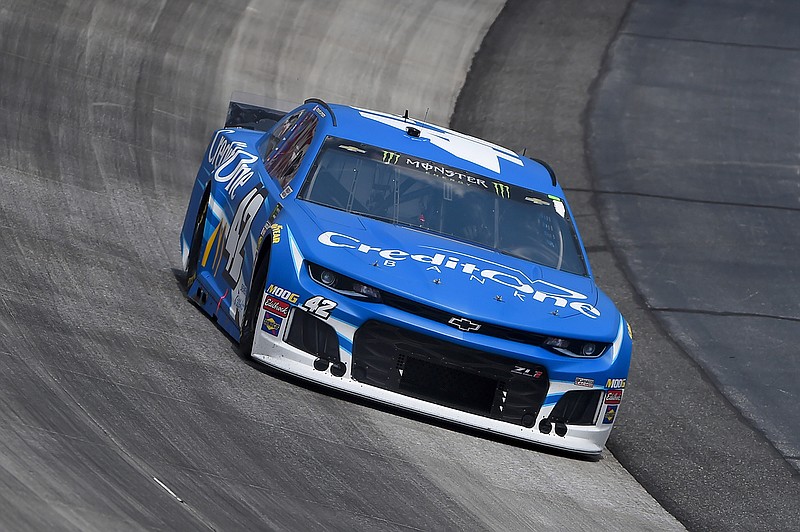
(406,190)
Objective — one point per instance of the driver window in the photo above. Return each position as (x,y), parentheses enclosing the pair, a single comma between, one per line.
(290,145)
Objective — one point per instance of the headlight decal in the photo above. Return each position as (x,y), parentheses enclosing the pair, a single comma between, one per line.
(297,257)
(617,345)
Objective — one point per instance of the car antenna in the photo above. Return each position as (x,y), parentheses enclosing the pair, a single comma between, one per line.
(405,115)
(524,151)
(426,114)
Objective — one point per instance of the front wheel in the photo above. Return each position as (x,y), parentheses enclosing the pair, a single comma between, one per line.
(250,321)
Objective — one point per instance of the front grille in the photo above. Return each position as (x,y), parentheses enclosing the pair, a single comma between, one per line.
(441,316)
(444,373)
(489,329)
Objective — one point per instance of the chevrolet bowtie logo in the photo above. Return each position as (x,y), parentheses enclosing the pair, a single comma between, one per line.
(464,324)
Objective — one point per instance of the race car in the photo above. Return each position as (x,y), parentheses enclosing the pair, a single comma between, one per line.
(409,264)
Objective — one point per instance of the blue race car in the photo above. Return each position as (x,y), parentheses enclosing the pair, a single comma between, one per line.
(406,263)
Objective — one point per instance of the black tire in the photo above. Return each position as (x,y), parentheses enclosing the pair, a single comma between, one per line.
(190,273)
(252,308)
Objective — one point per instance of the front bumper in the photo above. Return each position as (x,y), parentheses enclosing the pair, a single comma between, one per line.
(384,361)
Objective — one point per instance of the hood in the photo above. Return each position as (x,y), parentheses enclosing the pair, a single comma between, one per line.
(467,280)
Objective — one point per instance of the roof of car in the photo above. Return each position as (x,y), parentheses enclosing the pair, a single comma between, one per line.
(438,144)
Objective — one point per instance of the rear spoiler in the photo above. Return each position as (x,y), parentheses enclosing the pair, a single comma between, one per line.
(255,112)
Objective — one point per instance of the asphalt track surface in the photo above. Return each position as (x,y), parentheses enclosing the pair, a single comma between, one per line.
(122,407)
(696,146)
(690,128)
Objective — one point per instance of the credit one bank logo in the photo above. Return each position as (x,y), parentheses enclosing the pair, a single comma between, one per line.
(480,271)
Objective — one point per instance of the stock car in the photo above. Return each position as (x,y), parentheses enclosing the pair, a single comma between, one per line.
(409,264)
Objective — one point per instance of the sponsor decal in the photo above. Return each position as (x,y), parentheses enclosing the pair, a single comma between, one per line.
(274,214)
(446,173)
(319,306)
(464,324)
(527,372)
(282,293)
(583,381)
(276,306)
(223,154)
(271,324)
(352,149)
(286,191)
(615,383)
(522,287)
(261,236)
(276,233)
(537,201)
(319,111)
(613,397)
(390,157)
(611,413)
(238,299)
(502,190)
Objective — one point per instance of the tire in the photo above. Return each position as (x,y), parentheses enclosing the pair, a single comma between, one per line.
(251,310)
(190,273)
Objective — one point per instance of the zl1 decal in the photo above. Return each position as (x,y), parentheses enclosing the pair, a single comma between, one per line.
(528,372)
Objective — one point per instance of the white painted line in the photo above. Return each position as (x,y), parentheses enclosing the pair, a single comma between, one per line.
(168,490)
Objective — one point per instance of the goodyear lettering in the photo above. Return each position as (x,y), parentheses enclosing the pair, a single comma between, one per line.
(276,233)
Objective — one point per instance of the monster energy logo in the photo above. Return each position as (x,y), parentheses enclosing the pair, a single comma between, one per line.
(391,157)
(502,190)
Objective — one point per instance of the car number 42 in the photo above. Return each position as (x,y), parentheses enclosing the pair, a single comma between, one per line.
(319,306)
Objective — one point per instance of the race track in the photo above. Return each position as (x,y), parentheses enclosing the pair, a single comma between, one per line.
(123,407)
(678,122)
